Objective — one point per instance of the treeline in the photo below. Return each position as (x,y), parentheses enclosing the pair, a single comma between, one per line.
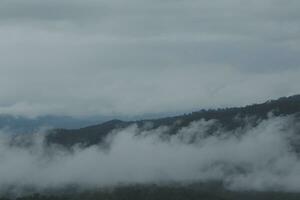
(228,119)
(155,192)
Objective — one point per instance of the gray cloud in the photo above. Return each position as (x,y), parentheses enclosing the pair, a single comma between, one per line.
(135,57)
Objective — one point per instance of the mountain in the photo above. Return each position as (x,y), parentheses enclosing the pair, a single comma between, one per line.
(19,124)
(228,118)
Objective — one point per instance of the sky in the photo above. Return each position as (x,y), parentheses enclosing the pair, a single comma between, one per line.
(136,57)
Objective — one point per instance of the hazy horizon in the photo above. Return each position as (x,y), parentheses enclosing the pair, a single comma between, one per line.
(68,66)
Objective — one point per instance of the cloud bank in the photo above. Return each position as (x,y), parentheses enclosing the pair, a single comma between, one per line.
(135,57)
(260,158)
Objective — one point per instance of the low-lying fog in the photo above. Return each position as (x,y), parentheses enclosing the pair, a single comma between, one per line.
(252,158)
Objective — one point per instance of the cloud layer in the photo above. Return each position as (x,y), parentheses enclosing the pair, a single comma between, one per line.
(259,158)
(135,57)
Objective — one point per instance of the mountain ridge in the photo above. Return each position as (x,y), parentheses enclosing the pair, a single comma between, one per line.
(228,118)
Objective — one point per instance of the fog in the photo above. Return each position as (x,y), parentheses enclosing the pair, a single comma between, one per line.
(256,158)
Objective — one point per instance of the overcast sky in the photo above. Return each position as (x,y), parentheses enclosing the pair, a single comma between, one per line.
(132,57)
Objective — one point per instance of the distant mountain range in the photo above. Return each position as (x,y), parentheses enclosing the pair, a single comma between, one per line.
(22,124)
(228,118)
(19,124)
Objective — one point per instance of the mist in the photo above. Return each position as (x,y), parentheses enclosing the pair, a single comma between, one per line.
(257,158)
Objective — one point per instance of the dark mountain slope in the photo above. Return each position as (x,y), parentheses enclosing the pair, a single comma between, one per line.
(228,118)
(164,192)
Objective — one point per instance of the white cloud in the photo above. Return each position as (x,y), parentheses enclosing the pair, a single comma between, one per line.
(256,158)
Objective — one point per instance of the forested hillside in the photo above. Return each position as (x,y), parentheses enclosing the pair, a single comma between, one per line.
(227,118)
